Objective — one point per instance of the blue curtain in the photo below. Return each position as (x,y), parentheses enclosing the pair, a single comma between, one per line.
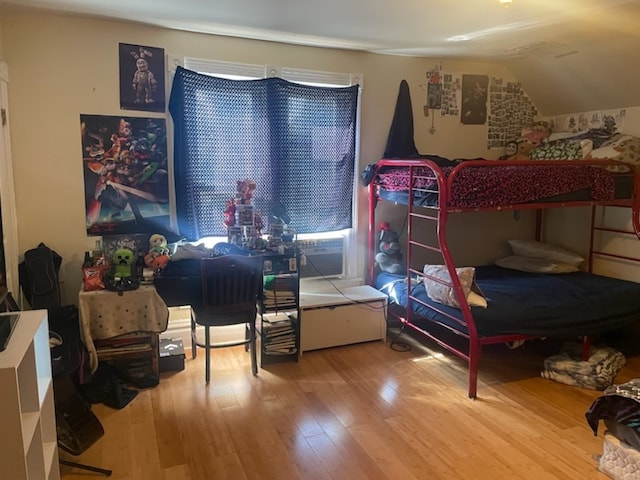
(296,142)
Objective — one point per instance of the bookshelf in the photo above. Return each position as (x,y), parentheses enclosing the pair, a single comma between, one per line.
(279,309)
(28,445)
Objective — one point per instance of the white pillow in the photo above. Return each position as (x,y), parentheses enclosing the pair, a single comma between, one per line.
(564,135)
(444,294)
(605,152)
(532,248)
(535,265)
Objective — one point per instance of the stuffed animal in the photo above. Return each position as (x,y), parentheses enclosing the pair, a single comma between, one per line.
(158,255)
(389,258)
(524,148)
(158,244)
(536,133)
(122,275)
(123,263)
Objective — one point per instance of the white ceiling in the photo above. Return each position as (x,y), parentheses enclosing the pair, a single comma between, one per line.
(430,28)
(551,46)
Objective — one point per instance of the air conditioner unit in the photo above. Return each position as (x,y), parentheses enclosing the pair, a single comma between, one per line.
(324,257)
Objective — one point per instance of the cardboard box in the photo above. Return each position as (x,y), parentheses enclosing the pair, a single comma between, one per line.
(171,355)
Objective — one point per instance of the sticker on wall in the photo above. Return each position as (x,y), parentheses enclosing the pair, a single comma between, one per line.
(126,181)
(141,78)
(474,99)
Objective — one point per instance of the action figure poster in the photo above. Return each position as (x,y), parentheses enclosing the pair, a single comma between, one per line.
(141,78)
(126,180)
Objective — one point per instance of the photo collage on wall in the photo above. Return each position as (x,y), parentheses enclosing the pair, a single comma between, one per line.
(510,109)
(451,85)
(124,158)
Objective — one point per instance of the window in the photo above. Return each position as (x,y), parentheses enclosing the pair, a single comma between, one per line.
(297,141)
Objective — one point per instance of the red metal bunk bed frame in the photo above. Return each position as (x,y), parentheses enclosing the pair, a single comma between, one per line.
(475,341)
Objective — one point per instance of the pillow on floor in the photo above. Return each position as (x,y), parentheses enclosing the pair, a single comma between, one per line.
(535,265)
(444,294)
(532,248)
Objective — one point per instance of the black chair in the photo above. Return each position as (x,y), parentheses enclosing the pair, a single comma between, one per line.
(230,288)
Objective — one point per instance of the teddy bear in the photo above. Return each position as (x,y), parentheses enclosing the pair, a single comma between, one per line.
(389,258)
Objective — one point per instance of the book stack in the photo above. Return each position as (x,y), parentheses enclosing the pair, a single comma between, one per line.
(279,336)
(279,294)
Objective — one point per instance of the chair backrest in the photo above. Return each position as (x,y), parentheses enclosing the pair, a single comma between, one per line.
(230,287)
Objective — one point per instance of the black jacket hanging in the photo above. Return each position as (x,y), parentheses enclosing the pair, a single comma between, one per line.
(400,143)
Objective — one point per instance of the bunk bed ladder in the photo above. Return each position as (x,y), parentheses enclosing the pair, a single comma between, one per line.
(472,355)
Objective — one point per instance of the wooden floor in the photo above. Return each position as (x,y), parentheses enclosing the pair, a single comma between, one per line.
(358,412)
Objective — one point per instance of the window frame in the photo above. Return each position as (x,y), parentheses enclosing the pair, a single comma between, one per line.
(246,71)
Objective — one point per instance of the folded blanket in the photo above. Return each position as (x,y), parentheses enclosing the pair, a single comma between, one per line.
(597,373)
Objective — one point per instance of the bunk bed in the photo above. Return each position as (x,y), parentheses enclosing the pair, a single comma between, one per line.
(520,305)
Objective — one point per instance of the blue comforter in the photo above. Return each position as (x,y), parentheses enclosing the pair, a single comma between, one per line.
(534,304)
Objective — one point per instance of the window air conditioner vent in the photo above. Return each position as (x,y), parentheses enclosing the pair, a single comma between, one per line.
(324,257)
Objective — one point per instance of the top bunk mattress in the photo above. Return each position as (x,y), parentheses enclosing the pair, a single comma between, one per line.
(535,304)
(490,184)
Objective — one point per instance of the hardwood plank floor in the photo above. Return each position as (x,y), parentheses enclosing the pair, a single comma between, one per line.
(358,412)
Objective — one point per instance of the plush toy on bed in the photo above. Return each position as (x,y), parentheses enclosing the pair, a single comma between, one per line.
(537,133)
(524,148)
(389,258)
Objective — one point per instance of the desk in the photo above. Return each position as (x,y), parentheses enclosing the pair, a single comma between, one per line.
(106,314)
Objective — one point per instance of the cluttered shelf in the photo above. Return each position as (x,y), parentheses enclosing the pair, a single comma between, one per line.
(279,308)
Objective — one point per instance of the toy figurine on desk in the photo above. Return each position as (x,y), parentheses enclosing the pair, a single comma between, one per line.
(243,222)
(158,256)
(122,275)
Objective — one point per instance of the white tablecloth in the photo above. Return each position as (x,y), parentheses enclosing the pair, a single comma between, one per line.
(106,314)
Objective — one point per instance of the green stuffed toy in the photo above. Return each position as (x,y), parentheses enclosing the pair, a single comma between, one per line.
(123,263)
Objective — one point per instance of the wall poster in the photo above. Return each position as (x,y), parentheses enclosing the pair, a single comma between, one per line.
(474,99)
(126,180)
(141,78)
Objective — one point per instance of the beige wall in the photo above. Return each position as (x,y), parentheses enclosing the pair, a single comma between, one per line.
(61,67)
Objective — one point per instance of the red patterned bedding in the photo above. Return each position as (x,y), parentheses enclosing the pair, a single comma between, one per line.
(486,187)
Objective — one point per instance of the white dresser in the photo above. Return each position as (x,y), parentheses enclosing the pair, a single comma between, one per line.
(333,318)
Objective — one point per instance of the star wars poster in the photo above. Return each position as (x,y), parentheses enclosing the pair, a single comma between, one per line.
(474,99)
(126,183)
(141,78)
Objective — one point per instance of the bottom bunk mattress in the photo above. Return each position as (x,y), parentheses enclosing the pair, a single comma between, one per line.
(540,305)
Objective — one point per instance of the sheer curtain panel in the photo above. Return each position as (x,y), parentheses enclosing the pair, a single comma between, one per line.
(297,142)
